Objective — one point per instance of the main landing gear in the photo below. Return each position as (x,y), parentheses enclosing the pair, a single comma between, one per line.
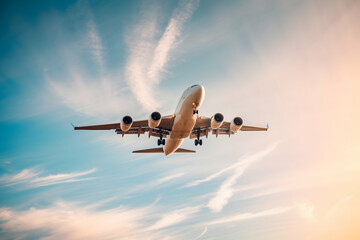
(196,112)
(161,141)
(198,141)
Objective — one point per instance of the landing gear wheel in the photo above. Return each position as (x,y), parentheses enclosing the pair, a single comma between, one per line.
(163,142)
(159,142)
(196,112)
(200,142)
(196,142)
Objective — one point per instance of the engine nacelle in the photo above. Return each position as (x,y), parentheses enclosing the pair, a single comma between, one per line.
(236,124)
(126,123)
(154,120)
(216,120)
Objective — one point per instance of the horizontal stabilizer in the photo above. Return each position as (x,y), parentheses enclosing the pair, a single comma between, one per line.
(161,150)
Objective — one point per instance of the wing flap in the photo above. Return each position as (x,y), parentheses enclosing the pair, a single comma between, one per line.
(99,127)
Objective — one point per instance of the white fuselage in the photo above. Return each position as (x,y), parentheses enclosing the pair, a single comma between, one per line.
(185,118)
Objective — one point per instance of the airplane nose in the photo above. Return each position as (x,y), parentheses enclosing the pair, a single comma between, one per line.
(200,90)
(200,95)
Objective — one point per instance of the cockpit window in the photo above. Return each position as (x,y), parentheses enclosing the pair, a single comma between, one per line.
(194,85)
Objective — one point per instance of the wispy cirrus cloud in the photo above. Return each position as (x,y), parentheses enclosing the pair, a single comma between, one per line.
(214,175)
(226,190)
(168,40)
(202,233)
(95,42)
(30,178)
(85,96)
(175,217)
(65,220)
(250,215)
(306,210)
(169,178)
(94,91)
(21,177)
(148,59)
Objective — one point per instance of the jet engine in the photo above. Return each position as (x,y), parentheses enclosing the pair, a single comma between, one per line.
(236,124)
(154,120)
(216,120)
(126,123)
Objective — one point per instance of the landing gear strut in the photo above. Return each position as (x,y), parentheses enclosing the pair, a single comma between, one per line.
(161,141)
(198,140)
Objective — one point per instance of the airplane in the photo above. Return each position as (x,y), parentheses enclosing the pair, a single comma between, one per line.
(184,123)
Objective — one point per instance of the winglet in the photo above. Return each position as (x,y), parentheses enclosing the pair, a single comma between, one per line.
(73,125)
(267,126)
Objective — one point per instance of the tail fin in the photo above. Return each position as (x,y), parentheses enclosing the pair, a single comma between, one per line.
(161,150)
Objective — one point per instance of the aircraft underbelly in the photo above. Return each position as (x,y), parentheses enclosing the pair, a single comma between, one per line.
(183,126)
(184,121)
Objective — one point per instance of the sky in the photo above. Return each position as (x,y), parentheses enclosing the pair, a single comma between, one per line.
(292,64)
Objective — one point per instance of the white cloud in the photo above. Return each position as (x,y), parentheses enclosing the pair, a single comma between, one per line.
(202,234)
(168,39)
(22,176)
(147,60)
(89,97)
(336,206)
(60,178)
(71,221)
(95,42)
(214,175)
(250,215)
(175,217)
(226,190)
(141,43)
(306,211)
(30,178)
(169,178)
(93,92)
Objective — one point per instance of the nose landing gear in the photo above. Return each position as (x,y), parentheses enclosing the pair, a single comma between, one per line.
(195,111)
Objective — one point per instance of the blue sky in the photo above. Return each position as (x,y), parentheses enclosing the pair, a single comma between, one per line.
(292,64)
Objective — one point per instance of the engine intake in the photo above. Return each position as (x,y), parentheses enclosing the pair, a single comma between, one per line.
(154,120)
(216,120)
(236,124)
(126,123)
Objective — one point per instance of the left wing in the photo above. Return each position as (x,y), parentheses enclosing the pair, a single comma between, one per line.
(203,128)
(137,127)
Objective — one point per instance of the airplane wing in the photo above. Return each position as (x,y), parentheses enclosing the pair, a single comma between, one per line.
(203,128)
(137,127)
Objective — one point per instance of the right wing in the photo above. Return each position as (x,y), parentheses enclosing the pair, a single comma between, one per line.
(137,127)
(203,128)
